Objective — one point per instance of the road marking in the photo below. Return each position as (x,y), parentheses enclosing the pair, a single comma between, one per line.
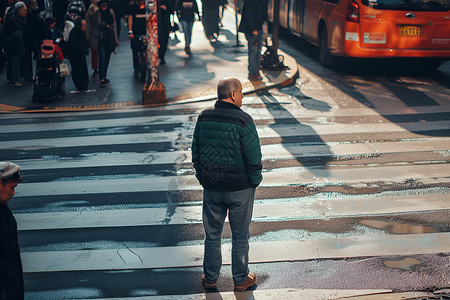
(263,131)
(270,152)
(435,173)
(285,294)
(260,252)
(264,211)
(98,140)
(86,124)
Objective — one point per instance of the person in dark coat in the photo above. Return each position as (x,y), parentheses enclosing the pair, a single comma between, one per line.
(11,272)
(210,19)
(226,154)
(254,14)
(136,27)
(35,26)
(107,41)
(14,39)
(78,50)
(186,11)
(166,9)
(92,33)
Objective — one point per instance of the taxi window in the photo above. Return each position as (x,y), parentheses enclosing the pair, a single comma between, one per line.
(410,5)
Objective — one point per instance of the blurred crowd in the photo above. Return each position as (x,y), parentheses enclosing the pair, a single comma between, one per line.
(80,27)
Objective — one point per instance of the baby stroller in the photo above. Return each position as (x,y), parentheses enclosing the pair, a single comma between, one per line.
(49,81)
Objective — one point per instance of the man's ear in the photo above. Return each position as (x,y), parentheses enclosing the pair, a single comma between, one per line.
(232,96)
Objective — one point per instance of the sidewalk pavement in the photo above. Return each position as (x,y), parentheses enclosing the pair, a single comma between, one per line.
(186,78)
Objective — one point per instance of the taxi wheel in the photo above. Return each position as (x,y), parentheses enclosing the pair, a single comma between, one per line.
(326,58)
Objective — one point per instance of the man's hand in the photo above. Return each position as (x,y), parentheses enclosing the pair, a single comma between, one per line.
(131,36)
(163,7)
(255,32)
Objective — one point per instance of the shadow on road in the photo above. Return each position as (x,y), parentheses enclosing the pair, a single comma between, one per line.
(381,83)
(306,137)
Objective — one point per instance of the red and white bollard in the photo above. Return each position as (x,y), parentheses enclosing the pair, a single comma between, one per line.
(154,91)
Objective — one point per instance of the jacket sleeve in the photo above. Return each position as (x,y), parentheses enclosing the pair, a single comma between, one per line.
(251,151)
(196,152)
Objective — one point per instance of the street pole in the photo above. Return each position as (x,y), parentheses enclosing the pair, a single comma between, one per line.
(236,8)
(154,91)
(276,26)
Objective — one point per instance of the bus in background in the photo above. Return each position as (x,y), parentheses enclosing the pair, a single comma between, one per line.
(370,28)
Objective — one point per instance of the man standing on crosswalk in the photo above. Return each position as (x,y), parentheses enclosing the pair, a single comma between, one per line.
(11,273)
(227,159)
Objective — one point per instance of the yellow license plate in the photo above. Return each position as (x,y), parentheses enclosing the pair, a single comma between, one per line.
(411,30)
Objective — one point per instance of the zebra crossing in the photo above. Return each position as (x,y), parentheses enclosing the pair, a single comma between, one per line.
(110,207)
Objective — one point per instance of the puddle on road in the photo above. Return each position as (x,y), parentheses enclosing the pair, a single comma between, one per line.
(408,264)
(398,228)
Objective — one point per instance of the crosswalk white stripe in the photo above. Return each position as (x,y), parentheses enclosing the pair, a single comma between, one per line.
(248,100)
(289,294)
(260,252)
(263,211)
(258,114)
(98,140)
(269,152)
(263,131)
(436,173)
(91,124)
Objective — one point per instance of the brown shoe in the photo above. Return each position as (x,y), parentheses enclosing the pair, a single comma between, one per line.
(208,284)
(248,283)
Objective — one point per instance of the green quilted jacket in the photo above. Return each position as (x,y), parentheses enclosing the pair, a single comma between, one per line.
(225,149)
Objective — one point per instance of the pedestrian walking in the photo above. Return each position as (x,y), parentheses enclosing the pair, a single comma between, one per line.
(166,9)
(14,40)
(92,33)
(78,51)
(35,26)
(210,18)
(227,158)
(136,27)
(107,41)
(186,11)
(254,13)
(11,272)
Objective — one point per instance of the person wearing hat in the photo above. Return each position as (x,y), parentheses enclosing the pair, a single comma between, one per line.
(107,40)
(11,272)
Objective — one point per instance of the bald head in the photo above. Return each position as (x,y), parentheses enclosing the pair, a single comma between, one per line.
(226,87)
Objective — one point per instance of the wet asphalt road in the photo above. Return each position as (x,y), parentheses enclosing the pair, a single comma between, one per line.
(355,167)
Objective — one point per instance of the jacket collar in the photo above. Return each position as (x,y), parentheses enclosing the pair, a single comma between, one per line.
(223,104)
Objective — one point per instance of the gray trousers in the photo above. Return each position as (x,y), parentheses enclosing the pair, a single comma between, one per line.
(239,206)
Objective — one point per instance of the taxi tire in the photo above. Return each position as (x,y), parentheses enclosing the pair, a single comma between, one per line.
(325,57)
